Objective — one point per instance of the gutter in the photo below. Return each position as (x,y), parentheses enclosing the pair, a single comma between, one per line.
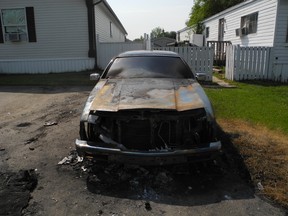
(228,10)
(92,53)
(98,2)
(115,16)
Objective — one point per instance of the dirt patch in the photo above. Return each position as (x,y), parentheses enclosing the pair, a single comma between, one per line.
(83,188)
(265,153)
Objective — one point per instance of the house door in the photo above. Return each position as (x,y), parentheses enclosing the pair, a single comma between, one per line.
(221,30)
(220,53)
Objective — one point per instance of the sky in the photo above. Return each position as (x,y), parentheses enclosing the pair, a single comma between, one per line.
(141,16)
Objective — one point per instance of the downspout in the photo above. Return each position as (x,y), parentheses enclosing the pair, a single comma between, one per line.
(274,59)
(92,53)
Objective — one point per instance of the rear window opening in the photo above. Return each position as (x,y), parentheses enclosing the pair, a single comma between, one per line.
(149,67)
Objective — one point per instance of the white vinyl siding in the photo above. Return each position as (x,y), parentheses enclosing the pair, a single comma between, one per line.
(213,29)
(265,27)
(61,29)
(280,43)
(56,65)
(185,35)
(104,20)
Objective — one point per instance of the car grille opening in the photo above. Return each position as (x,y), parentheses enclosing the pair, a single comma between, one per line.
(150,130)
(135,134)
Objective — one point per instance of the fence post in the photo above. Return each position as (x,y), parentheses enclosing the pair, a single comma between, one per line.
(237,70)
(242,65)
(227,69)
(258,65)
(210,60)
(270,66)
(265,60)
(147,42)
(233,53)
(229,62)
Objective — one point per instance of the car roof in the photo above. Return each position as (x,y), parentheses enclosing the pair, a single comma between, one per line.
(139,53)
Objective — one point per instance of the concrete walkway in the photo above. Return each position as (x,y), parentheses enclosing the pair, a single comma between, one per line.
(222,83)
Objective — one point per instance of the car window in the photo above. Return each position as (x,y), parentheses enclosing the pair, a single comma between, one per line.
(148,67)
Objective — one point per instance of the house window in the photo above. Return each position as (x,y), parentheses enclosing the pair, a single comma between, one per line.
(17,24)
(14,24)
(249,23)
(111,35)
(207,32)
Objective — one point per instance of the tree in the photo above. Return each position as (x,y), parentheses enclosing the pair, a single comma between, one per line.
(157,32)
(171,34)
(203,9)
(160,32)
(141,39)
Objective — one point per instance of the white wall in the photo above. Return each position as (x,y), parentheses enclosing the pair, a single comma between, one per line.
(280,60)
(109,50)
(265,29)
(199,59)
(103,19)
(188,35)
(55,65)
(281,45)
(61,30)
(197,39)
(185,35)
(62,37)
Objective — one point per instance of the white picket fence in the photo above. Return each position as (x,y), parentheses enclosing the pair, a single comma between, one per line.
(253,63)
(106,51)
(199,59)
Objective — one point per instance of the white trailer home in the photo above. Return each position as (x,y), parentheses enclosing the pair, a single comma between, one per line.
(255,23)
(187,34)
(54,36)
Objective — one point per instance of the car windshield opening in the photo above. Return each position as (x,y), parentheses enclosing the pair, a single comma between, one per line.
(149,67)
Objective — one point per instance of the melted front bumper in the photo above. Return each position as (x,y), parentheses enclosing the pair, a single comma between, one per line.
(86,148)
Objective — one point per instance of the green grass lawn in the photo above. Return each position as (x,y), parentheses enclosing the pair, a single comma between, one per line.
(53,79)
(259,103)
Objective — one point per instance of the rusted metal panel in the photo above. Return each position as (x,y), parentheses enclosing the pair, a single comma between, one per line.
(90,100)
(187,98)
(170,94)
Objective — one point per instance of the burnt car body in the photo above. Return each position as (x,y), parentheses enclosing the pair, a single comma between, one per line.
(148,108)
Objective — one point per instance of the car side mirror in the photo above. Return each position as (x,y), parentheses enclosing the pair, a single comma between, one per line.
(95,76)
(201,76)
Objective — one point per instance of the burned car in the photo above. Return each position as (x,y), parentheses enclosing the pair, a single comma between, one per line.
(147,107)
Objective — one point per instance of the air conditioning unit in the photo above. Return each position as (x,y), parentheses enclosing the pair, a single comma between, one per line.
(238,32)
(14,37)
(244,31)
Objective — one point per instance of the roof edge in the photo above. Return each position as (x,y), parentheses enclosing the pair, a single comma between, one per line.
(114,15)
(229,10)
(184,29)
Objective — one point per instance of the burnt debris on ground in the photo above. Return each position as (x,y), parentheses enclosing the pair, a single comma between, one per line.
(184,184)
(15,189)
(198,184)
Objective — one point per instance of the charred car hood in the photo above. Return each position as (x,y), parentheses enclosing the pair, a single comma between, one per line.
(170,94)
